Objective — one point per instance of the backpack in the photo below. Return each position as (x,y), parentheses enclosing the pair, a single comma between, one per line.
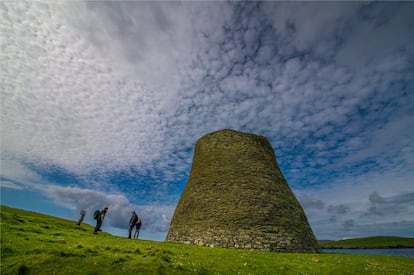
(96,214)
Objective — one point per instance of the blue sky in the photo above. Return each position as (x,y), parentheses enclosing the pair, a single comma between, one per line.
(103,102)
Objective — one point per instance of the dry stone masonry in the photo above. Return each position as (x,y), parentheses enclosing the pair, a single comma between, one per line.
(237,197)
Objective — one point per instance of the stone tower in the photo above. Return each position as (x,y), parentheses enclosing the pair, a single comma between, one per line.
(236,196)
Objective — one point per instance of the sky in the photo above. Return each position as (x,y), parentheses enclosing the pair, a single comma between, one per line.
(103,102)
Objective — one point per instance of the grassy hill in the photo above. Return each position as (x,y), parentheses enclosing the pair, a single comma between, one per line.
(371,242)
(33,243)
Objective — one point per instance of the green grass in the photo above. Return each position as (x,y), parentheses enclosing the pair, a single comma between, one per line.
(371,242)
(48,245)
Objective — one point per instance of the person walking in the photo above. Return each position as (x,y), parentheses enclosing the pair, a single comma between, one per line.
(138,227)
(82,215)
(99,216)
(132,221)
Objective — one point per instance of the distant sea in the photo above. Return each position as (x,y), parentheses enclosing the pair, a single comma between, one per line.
(405,252)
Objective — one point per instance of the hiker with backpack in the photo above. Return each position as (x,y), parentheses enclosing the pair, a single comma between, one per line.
(132,221)
(138,227)
(99,216)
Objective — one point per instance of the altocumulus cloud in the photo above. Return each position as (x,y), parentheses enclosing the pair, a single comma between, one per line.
(112,96)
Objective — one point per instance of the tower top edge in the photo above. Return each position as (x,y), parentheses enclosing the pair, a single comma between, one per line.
(230,131)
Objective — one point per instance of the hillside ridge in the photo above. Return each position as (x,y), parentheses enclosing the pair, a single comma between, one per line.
(372,242)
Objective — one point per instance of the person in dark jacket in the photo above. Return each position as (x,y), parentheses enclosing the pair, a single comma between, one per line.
(82,215)
(132,221)
(99,220)
(138,227)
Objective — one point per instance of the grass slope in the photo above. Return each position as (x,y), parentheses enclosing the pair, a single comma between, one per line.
(371,242)
(47,245)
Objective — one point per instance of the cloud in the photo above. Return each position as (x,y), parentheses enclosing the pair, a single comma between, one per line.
(380,24)
(86,115)
(338,212)
(338,209)
(20,174)
(93,114)
(146,50)
(373,210)
(296,23)
(376,198)
(309,203)
(360,209)
(348,224)
(393,205)
(11,185)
